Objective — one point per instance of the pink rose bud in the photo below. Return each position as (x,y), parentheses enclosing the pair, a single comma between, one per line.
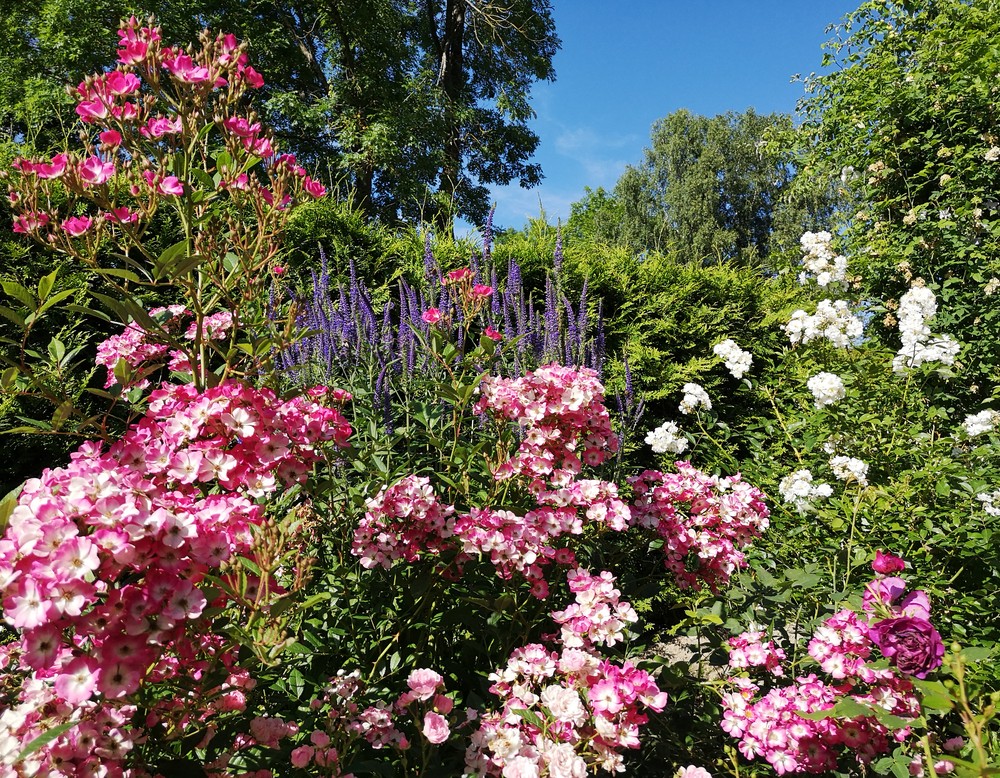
(886,564)
(492,334)
(110,138)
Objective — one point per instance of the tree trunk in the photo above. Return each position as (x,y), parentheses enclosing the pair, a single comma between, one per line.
(451,79)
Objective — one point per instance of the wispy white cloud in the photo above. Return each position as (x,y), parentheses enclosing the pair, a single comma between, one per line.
(598,156)
(516,205)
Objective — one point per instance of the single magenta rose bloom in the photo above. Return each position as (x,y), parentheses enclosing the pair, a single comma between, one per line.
(886,564)
(912,644)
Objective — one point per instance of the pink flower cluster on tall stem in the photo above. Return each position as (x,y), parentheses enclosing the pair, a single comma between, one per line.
(565,423)
(567,711)
(403,521)
(562,412)
(705,521)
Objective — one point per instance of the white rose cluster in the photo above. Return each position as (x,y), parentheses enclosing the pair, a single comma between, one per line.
(850,469)
(798,488)
(990,502)
(826,388)
(737,360)
(918,344)
(667,438)
(979,423)
(820,261)
(833,320)
(695,397)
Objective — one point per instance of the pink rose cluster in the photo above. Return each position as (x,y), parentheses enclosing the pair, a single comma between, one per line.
(342,720)
(102,561)
(705,521)
(140,349)
(565,423)
(561,411)
(846,647)
(402,522)
(567,710)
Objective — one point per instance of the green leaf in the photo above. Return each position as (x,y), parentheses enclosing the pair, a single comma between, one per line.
(8,377)
(45,738)
(13,316)
(530,716)
(249,565)
(977,653)
(941,488)
(20,293)
(57,350)
(55,299)
(168,257)
(116,272)
(62,412)
(7,505)
(83,309)
(45,284)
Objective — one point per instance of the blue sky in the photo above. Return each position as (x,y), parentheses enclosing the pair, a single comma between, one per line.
(626,63)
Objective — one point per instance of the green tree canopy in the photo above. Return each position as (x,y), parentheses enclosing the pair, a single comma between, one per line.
(711,188)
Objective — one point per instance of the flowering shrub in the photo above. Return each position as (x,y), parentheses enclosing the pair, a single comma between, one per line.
(168,129)
(111,567)
(567,711)
(808,726)
(705,521)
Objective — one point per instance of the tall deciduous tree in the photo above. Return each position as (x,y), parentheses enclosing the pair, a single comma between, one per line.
(710,188)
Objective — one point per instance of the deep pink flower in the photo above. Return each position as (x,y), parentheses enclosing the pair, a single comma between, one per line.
(92,110)
(29,222)
(95,171)
(492,334)
(171,185)
(252,77)
(110,138)
(122,215)
(77,225)
(158,126)
(886,564)
(431,315)
(52,169)
(482,290)
(312,187)
(911,644)
(183,68)
(119,83)
(241,128)
(458,275)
